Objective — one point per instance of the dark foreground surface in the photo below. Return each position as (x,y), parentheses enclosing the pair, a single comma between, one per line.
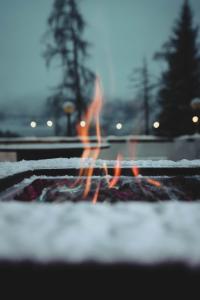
(160,279)
(58,281)
(141,271)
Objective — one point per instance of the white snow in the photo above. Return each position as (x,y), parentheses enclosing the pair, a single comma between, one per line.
(132,232)
(10,168)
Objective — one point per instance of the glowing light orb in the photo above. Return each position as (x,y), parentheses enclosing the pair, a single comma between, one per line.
(49,123)
(195,119)
(119,126)
(156,124)
(33,124)
(82,123)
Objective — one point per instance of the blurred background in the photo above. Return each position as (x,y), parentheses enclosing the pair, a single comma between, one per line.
(145,53)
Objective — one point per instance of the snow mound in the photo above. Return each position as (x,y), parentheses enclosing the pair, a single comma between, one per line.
(132,232)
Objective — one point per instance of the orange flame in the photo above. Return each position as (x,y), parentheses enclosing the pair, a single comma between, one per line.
(95,198)
(154,182)
(117,172)
(135,171)
(92,115)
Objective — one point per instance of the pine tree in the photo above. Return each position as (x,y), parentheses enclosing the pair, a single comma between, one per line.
(181,81)
(65,41)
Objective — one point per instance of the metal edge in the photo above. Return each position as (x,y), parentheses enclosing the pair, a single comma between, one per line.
(11,180)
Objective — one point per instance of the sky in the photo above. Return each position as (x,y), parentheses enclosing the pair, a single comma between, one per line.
(122,33)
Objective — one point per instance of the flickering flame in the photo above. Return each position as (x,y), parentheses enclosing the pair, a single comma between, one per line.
(154,182)
(135,171)
(92,115)
(95,198)
(117,172)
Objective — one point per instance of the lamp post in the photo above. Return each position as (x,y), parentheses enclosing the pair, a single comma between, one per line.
(69,108)
(195,105)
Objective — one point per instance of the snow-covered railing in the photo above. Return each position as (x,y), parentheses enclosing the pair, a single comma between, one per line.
(10,168)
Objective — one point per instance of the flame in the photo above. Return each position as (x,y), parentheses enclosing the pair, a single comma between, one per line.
(105,168)
(154,182)
(135,171)
(95,198)
(117,172)
(92,115)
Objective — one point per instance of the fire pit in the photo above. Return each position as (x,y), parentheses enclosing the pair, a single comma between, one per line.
(139,222)
(100,181)
(78,214)
(69,187)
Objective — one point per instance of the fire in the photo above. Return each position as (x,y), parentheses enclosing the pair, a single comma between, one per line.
(135,171)
(117,172)
(154,182)
(94,200)
(92,115)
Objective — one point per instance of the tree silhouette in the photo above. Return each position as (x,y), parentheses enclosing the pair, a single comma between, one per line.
(181,80)
(64,41)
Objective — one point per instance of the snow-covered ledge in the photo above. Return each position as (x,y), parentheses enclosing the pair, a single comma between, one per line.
(10,168)
(146,233)
(73,233)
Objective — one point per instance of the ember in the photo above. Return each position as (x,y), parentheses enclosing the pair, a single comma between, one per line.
(126,189)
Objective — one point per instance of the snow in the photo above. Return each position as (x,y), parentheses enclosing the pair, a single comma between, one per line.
(10,168)
(132,232)
(145,233)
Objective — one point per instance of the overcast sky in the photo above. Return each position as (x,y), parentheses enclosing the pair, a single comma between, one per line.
(122,33)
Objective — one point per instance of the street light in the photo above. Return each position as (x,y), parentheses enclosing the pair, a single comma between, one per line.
(69,108)
(195,105)
(82,123)
(119,126)
(156,125)
(33,124)
(195,119)
(49,123)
